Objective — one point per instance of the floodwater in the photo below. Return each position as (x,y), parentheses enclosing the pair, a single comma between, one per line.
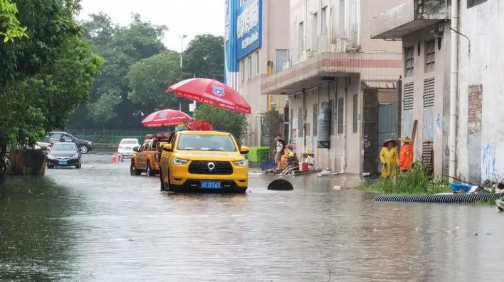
(101,224)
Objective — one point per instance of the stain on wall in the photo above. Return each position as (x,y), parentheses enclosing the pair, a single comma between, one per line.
(488,162)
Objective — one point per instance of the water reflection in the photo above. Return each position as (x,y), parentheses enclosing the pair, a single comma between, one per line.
(101,224)
(34,244)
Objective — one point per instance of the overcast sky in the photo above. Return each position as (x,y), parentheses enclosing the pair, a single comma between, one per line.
(190,17)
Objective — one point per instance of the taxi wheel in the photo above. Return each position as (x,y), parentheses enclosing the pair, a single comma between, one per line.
(161,180)
(134,170)
(150,171)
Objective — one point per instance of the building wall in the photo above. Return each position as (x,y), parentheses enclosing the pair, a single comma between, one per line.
(249,78)
(433,121)
(344,153)
(482,68)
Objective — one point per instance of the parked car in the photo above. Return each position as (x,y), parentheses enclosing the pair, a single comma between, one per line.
(199,161)
(126,147)
(145,159)
(83,145)
(64,154)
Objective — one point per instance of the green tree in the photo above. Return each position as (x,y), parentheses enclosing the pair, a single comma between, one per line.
(121,47)
(49,73)
(149,79)
(223,120)
(10,28)
(204,57)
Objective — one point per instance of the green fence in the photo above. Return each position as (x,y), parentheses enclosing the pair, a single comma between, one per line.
(111,137)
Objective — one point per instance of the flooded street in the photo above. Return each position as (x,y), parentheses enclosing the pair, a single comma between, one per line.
(101,224)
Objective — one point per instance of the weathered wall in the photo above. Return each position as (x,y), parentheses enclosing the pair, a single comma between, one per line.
(481,80)
(432,121)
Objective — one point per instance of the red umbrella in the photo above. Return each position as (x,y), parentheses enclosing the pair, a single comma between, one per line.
(166,118)
(200,125)
(211,92)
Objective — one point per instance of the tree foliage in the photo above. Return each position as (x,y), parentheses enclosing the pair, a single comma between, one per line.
(223,120)
(150,78)
(10,28)
(121,47)
(47,74)
(204,57)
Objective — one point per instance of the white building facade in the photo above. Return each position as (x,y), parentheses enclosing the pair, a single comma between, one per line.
(335,69)
(478,83)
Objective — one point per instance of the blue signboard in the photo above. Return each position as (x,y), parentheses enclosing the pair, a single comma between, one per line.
(243,33)
(231,63)
(248,28)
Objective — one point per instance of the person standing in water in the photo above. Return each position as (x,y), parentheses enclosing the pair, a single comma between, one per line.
(406,156)
(388,157)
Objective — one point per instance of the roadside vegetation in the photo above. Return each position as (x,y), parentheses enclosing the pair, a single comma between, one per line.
(47,69)
(413,182)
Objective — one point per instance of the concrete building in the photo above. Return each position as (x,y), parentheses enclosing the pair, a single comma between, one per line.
(334,68)
(433,92)
(256,39)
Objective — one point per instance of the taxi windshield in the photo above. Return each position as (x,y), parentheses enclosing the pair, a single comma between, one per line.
(204,142)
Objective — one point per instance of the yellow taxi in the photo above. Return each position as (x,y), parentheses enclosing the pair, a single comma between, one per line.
(203,161)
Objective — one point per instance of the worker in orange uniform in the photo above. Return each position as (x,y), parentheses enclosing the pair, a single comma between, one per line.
(406,156)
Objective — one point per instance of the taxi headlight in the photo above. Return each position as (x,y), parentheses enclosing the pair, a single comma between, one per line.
(179,161)
(243,163)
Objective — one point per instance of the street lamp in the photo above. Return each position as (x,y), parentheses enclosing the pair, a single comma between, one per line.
(182,37)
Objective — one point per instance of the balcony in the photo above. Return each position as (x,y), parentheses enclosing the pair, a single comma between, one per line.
(409,17)
(319,67)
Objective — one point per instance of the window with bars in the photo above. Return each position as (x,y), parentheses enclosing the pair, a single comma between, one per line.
(242,70)
(430,55)
(409,61)
(408,99)
(408,96)
(355,112)
(341,108)
(250,65)
(323,21)
(300,122)
(428,95)
(331,126)
(258,63)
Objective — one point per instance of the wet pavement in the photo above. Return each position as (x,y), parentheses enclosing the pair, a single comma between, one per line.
(101,224)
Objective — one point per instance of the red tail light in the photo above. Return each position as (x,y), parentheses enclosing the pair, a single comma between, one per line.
(156,157)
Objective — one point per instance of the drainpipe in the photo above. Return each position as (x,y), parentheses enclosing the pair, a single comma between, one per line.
(452,141)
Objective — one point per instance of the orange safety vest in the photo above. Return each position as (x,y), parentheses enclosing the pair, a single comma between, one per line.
(406,157)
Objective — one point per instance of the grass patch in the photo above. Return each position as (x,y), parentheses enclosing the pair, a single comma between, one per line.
(413,182)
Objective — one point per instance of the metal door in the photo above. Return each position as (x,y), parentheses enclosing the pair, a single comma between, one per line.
(387,126)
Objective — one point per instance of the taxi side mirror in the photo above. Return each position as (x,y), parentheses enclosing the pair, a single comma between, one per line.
(136,149)
(244,150)
(167,148)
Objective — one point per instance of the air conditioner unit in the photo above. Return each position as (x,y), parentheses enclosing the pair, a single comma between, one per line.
(323,42)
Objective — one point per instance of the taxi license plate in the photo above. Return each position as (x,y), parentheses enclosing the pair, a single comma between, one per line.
(210,185)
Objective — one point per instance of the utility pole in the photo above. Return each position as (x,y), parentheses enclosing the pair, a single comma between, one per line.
(182,37)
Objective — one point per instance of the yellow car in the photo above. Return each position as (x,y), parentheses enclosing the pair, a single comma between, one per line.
(203,161)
